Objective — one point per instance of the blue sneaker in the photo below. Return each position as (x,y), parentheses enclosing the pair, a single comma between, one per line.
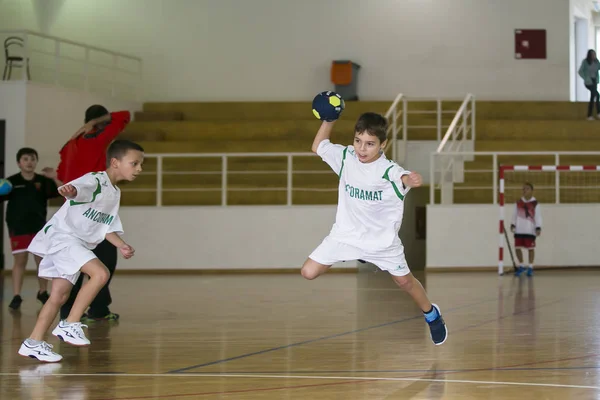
(519,271)
(529,271)
(437,327)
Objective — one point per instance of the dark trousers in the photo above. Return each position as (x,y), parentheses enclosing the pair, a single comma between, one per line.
(107,254)
(594,98)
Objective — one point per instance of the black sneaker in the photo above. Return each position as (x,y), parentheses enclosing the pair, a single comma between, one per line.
(16,302)
(43,297)
(437,327)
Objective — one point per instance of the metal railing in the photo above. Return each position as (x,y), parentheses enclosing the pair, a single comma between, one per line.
(462,127)
(460,132)
(509,158)
(225,172)
(67,63)
(392,115)
(399,123)
(398,116)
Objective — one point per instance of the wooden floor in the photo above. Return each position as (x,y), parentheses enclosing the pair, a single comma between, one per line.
(343,336)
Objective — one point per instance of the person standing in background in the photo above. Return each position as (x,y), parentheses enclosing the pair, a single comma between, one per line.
(588,71)
(26,214)
(85,152)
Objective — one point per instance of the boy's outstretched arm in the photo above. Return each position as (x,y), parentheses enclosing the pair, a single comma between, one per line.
(323,133)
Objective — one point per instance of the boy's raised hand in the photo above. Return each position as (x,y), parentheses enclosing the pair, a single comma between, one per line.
(86,128)
(67,191)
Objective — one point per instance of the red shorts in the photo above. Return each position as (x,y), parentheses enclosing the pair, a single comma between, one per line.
(525,243)
(20,243)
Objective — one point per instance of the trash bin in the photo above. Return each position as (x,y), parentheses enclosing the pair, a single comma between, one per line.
(344,77)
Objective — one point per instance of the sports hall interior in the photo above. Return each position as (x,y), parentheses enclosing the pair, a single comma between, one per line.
(481,97)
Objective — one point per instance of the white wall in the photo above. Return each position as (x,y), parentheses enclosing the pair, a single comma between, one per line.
(468,236)
(13,100)
(221,237)
(282,50)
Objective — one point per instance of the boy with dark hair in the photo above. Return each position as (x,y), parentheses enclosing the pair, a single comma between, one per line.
(86,152)
(89,216)
(26,214)
(369,215)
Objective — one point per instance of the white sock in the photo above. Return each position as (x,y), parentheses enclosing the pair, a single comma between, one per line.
(530,266)
(32,342)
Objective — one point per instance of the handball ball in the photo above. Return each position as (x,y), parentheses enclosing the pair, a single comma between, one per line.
(5,187)
(327,106)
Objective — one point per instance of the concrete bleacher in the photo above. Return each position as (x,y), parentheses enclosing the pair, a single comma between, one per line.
(240,127)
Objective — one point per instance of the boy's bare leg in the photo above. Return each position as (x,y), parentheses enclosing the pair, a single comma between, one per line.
(99,275)
(312,269)
(43,283)
(413,287)
(433,316)
(531,256)
(60,292)
(18,271)
(519,253)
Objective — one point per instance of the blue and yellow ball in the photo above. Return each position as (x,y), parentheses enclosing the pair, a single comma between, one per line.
(5,187)
(327,106)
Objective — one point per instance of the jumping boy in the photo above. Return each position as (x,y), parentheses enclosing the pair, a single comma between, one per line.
(89,216)
(369,214)
(26,214)
(526,225)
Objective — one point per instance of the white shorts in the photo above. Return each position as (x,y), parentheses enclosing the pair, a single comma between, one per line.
(330,251)
(65,263)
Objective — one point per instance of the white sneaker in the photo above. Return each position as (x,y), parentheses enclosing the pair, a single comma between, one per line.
(42,351)
(71,333)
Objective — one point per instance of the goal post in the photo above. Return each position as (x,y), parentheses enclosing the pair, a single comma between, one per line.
(553,184)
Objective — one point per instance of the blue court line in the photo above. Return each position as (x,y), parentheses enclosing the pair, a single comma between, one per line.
(399,371)
(322,338)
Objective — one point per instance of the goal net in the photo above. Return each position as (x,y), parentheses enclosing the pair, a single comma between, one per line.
(569,198)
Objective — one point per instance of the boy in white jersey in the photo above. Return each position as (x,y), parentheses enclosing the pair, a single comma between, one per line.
(89,216)
(526,225)
(369,214)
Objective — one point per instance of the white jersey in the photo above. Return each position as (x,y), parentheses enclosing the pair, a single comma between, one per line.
(370,198)
(87,218)
(527,216)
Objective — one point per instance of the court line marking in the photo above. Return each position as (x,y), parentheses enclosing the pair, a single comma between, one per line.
(408,371)
(338,378)
(323,338)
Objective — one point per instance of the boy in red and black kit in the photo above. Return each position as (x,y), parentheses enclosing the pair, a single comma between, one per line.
(85,152)
(26,214)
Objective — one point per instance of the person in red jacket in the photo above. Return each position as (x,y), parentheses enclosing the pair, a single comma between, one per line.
(85,152)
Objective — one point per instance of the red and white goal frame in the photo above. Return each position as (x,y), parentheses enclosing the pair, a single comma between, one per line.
(544,168)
